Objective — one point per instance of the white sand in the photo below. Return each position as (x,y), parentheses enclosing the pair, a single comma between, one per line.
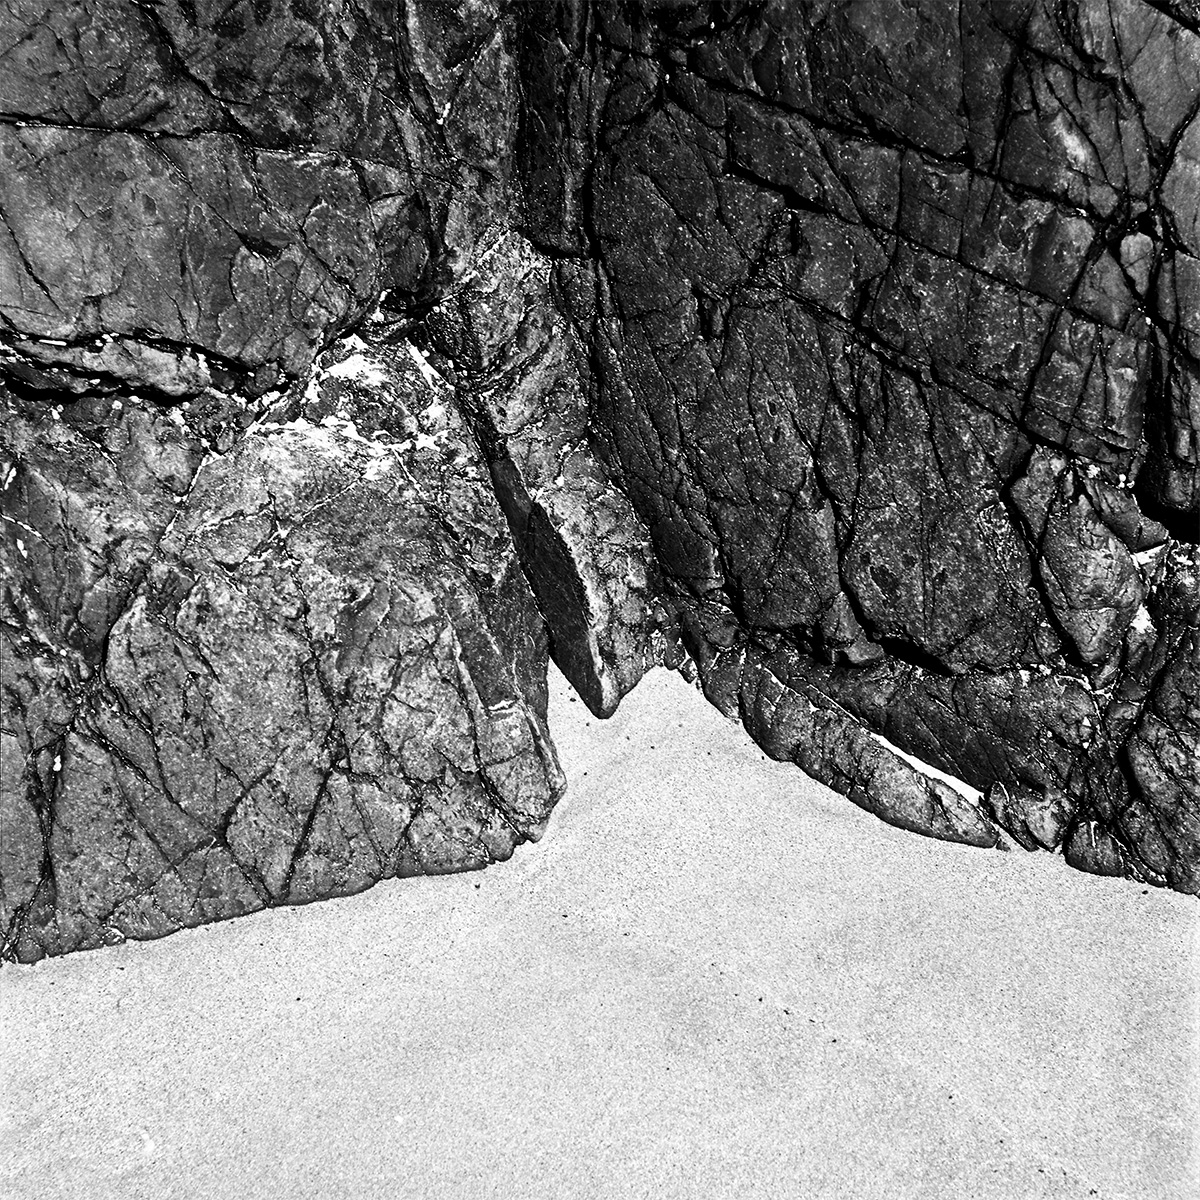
(712,978)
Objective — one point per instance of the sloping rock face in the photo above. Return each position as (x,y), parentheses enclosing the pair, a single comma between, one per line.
(356,358)
(278,591)
(892,318)
(325,668)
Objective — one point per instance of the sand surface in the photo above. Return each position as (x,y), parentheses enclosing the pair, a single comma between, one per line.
(712,978)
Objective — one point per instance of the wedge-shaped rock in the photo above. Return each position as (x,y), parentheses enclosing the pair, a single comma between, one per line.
(332,673)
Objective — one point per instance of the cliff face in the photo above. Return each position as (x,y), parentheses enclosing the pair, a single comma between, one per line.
(356,357)
(893,317)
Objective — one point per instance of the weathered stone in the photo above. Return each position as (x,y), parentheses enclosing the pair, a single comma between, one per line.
(1090,582)
(246,190)
(332,673)
(357,357)
(584,551)
(890,322)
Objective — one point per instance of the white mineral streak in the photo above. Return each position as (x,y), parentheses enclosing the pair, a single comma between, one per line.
(427,371)
(358,367)
(1142,622)
(21,525)
(965,790)
(332,435)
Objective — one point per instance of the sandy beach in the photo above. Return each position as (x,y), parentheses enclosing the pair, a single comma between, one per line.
(713,977)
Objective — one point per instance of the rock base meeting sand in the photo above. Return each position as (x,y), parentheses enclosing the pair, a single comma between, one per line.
(712,978)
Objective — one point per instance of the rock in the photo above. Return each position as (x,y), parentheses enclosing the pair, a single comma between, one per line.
(584,551)
(889,317)
(1160,816)
(802,725)
(243,194)
(355,359)
(332,673)
(1087,576)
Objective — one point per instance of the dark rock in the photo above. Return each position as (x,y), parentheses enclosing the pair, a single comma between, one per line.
(845,357)
(890,315)
(1088,578)
(332,672)
(243,193)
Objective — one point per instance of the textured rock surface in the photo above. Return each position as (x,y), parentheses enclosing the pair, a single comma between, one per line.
(586,555)
(356,357)
(892,314)
(208,191)
(330,671)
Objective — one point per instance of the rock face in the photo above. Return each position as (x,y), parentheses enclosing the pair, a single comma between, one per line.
(279,583)
(326,668)
(891,314)
(355,358)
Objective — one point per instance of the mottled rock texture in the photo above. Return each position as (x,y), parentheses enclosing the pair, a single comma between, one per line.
(891,313)
(355,357)
(279,585)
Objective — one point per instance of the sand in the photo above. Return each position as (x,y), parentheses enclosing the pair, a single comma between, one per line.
(711,978)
